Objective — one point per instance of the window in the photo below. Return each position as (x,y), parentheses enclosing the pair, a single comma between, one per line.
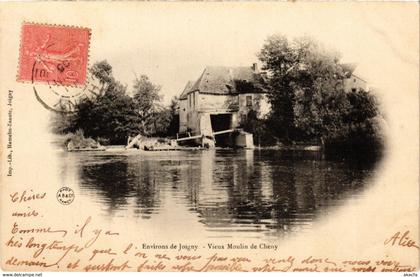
(248,100)
(243,118)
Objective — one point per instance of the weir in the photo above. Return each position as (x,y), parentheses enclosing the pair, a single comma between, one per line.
(241,138)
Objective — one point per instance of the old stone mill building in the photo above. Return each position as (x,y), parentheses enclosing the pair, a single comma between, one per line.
(216,105)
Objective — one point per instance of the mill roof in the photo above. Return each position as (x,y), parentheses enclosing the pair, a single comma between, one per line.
(187,89)
(224,80)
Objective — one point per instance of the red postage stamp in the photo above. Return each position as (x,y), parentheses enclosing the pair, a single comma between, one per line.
(51,54)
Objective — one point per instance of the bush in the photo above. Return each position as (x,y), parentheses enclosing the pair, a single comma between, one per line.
(260,128)
(78,141)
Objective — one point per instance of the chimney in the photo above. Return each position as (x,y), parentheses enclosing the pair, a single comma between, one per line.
(255,68)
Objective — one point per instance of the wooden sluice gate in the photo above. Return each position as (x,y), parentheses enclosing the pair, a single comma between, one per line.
(242,139)
(226,131)
(206,141)
(214,134)
(189,137)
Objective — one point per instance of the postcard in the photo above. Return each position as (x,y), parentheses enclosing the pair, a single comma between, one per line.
(209,136)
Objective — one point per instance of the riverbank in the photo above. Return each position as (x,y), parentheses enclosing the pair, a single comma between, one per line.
(78,143)
(119,148)
(308,147)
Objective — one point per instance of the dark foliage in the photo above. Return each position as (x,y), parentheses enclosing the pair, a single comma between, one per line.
(362,133)
(111,116)
(173,126)
(260,128)
(305,89)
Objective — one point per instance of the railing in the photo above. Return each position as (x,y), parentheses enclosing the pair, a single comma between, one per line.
(189,137)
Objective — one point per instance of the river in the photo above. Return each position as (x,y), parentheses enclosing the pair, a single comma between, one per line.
(222,193)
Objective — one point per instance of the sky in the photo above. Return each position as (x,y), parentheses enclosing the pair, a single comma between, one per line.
(173,43)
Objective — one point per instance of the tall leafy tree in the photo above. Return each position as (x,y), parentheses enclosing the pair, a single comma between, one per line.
(278,58)
(147,100)
(174,118)
(110,116)
(305,88)
(102,70)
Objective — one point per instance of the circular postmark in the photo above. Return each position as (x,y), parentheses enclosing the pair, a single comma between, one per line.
(65,195)
(64,98)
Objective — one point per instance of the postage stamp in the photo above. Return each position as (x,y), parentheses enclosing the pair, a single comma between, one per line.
(53,54)
(56,56)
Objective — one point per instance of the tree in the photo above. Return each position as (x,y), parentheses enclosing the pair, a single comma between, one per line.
(259,128)
(277,57)
(110,116)
(146,98)
(166,120)
(305,88)
(362,121)
(103,72)
(173,127)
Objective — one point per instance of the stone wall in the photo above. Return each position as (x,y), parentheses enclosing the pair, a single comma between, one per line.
(183,116)
(217,103)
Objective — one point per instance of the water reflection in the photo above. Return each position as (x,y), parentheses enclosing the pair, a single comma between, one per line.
(260,192)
